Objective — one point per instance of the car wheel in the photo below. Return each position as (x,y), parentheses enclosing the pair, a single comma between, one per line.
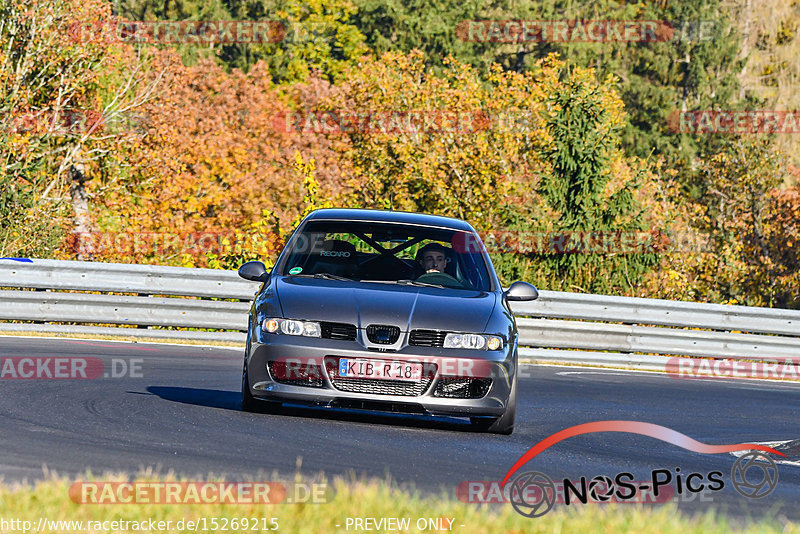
(250,403)
(503,424)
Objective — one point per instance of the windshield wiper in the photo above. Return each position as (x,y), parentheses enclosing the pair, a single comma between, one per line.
(329,276)
(405,283)
(420,284)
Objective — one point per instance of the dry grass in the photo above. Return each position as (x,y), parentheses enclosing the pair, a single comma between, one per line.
(50,500)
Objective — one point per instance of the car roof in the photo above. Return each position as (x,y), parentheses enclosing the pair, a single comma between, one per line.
(403,217)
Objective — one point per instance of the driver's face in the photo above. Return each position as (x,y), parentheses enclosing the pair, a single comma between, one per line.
(434,260)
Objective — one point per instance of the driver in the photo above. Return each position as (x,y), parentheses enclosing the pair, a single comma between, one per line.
(433,258)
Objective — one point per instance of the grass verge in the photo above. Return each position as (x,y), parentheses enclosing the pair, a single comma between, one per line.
(50,499)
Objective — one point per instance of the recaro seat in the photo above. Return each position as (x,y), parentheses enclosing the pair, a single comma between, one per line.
(335,257)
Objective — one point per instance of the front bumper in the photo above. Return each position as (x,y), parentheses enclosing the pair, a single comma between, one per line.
(498,366)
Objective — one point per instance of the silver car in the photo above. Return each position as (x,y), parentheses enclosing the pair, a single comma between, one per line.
(387,311)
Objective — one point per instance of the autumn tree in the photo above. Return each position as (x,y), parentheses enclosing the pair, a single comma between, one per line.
(319,37)
(452,143)
(744,215)
(429,26)
(62,93)
(594,215)
(215,159)
(537,154)
(177,10)
(782,235)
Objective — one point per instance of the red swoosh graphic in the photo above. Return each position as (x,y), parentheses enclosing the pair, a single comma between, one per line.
(633,427)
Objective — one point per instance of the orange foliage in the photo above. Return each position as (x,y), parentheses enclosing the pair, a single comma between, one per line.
(782,229)
(214,161)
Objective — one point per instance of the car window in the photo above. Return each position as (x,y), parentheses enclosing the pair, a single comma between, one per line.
(391,253)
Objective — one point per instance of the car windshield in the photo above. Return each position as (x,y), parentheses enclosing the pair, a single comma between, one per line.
(389,253)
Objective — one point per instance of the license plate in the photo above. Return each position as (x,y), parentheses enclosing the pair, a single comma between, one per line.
(360,368)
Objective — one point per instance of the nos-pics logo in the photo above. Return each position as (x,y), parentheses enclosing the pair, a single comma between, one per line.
(533,493)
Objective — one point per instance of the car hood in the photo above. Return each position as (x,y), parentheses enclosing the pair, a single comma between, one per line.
(362,304)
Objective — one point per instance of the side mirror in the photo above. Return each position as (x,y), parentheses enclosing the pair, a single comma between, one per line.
(255,271)
(522,291)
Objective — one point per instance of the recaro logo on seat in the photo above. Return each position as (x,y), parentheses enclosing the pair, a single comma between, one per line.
(334,253)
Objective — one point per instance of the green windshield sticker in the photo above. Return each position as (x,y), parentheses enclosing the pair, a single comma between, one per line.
(295,270)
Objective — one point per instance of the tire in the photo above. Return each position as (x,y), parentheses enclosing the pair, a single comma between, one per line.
(503,424)
(250,403)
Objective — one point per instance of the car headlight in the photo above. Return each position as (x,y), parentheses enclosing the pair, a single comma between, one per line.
(291,327)
(472,341)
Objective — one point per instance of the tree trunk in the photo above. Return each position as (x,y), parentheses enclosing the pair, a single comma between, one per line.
(744,51)
(80,207)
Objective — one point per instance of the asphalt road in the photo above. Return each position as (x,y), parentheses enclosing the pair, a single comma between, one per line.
(180,413)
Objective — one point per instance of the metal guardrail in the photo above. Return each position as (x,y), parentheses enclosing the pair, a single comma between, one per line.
(119,309)
(558,327)
(549,333)
(673,313)
(125,278)
(643,333)
(67,292)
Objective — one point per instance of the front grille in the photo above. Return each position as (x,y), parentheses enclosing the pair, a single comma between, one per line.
(296,374)
(462,388)
(381,387)
(341,331)
(427,338)
(375,386)
(383,334)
